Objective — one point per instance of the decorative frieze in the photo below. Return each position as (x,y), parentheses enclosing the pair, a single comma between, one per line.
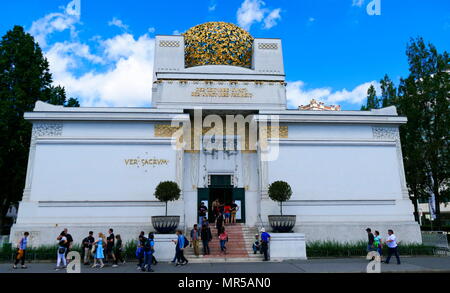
(47,129)
(268,46)
(385,133)
(166,43)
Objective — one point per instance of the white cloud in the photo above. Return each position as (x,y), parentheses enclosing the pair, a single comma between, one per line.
(358,3)
(311,19)
(253,11)
(118,23)
(127,82)
(151,30)
(42,28)
(271,19)
(212,5)
(120,73)
(298,94)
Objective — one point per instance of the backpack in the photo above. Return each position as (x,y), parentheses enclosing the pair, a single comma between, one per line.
(147,245)
(186,242)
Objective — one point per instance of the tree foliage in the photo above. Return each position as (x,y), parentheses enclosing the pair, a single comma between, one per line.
(280,191)
(423,97)
(24,79)
(373,102)
(167,191)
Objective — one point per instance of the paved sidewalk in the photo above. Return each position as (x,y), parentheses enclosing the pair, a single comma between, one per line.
(349,265)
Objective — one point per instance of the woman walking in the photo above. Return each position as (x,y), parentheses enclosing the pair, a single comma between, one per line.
(181,243)
(61,252)
(99,243)
(378,245)
(219,223)
(206,236)
(234,210)
(215,207)
(140,251)
(21,251)
(119,249)
(223,237)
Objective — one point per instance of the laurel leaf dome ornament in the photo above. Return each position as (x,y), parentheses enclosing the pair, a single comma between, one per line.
(218,43)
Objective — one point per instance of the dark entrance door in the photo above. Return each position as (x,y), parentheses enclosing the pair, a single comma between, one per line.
(220,188)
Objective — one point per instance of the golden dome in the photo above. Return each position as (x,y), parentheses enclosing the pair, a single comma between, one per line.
(217,43)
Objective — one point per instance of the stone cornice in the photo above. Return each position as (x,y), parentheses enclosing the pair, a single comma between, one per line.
(105,116)
(343,117)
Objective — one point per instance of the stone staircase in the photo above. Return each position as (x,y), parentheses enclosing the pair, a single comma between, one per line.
(239,246)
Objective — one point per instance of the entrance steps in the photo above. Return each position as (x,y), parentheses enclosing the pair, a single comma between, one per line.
(239,246)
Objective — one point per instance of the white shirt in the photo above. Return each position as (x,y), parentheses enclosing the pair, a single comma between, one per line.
(393,242)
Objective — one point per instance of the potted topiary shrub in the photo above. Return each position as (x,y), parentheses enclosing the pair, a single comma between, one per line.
(281,191)
(166,191)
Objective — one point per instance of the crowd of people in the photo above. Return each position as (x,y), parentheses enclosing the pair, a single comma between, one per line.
(110,248)
(101,250)
(376,243)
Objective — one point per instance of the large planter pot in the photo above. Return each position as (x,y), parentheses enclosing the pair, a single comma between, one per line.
(282,224)
(165,224)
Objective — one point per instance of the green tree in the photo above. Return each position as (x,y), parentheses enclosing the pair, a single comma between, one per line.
(280,191)
(373,101)
(413,148)
(57,96)
(424,99)
(167,191)
(388,92)
(24,79)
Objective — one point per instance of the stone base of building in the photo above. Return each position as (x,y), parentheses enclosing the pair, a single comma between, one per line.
(284,246)
(164,247)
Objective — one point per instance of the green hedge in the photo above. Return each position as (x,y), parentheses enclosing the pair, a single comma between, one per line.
(48,252)
(336,249)
(313,249)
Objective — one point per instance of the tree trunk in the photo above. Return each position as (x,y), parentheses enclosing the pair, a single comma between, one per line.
(414,198)
(281,207)
(437,197)
(416,208)
(166,208)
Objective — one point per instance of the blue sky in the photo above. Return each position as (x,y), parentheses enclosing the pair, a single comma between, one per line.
(333,49)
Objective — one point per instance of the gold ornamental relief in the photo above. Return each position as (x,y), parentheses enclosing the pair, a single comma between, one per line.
(165,130)
(218,43)
(222,92)
(283,131)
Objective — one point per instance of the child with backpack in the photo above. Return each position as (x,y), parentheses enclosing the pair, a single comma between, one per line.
(140,251)
(148,252)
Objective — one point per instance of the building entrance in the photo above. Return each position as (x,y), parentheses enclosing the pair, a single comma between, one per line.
(221,189)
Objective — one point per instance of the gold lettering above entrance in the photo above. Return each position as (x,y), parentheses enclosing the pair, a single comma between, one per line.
(138,162)
(222,93)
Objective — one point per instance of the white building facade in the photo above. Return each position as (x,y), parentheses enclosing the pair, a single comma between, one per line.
(96,168)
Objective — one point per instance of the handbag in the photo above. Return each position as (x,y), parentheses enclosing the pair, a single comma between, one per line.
(19,254)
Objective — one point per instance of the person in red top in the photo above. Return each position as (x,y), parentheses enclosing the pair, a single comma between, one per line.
(227,213)
(223,237)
